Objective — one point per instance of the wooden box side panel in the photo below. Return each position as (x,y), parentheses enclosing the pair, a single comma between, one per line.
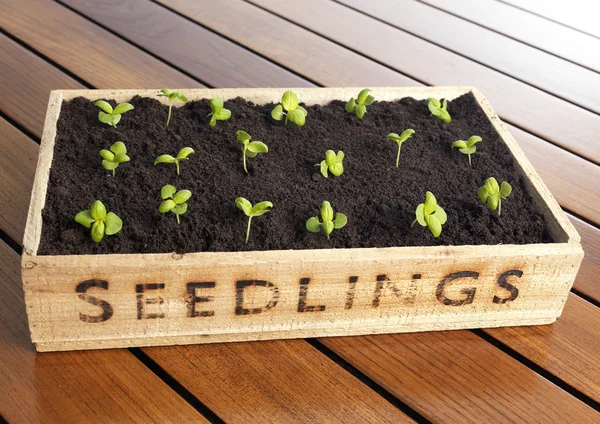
(33,227)
(79,303)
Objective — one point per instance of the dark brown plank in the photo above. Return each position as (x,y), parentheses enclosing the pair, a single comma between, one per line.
(17,165)
(274,381)
(22,88)
(209,57)
(540,69)
(521,104)
(568,349)
(527,28)
(73,387)
(58,33)
(588,278)
(482,384)
(287,44)
(571,179)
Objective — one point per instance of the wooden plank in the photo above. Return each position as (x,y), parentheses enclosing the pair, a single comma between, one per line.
(62,35)
(274,381)
(482,384)
(212,59)
(93,386)
(566,80)
(570,178)
(577,14)
(527,28)
(287,44)
(568,349)
(588,277)
(17,168)
(527,107)
(22,88)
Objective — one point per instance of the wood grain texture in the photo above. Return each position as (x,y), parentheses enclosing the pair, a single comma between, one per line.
(568,349)
(274,382)
(480,385)
(74,387)
(527,28)
(521,104)
(77,44)
(588,278)
(34,87)
(289,45)
(209,57)
(566,80)
(17,169)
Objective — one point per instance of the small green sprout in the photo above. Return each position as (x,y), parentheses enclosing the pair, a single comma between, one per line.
(219,113)
(172,96)
(399,139)
(492,195)
(250,148)
(359,106)
(441,111)
(111,116)
(430,215)
(113,157)
(99,221)
(252,211)
(295,113)
(182,155)
(174,201)
(467,147)
(329,221)
(332,163)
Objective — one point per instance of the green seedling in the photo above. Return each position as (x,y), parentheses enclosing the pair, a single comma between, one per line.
(115,156)
(359,106)
(174,201)
(219,113)
(332,163)
(293,111)
(250,148)
(330,222)
(173,96)
(182,155)
(99,221)
(492,195)
(399,139)
(439,110)
(467,147)
(111,116)
(430,215)
(252,211)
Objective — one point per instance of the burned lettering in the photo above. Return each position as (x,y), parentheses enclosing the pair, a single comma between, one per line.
(107,310)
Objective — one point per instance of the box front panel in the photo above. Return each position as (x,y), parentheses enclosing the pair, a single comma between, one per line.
(93,304)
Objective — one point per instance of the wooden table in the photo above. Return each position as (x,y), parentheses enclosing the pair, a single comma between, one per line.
(540,69)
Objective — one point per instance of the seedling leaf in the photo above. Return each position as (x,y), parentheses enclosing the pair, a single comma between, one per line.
(85,218)
(113,224)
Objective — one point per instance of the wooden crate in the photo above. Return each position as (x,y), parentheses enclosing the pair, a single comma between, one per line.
(121,300)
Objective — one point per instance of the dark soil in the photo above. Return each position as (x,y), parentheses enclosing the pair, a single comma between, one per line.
(378,198)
